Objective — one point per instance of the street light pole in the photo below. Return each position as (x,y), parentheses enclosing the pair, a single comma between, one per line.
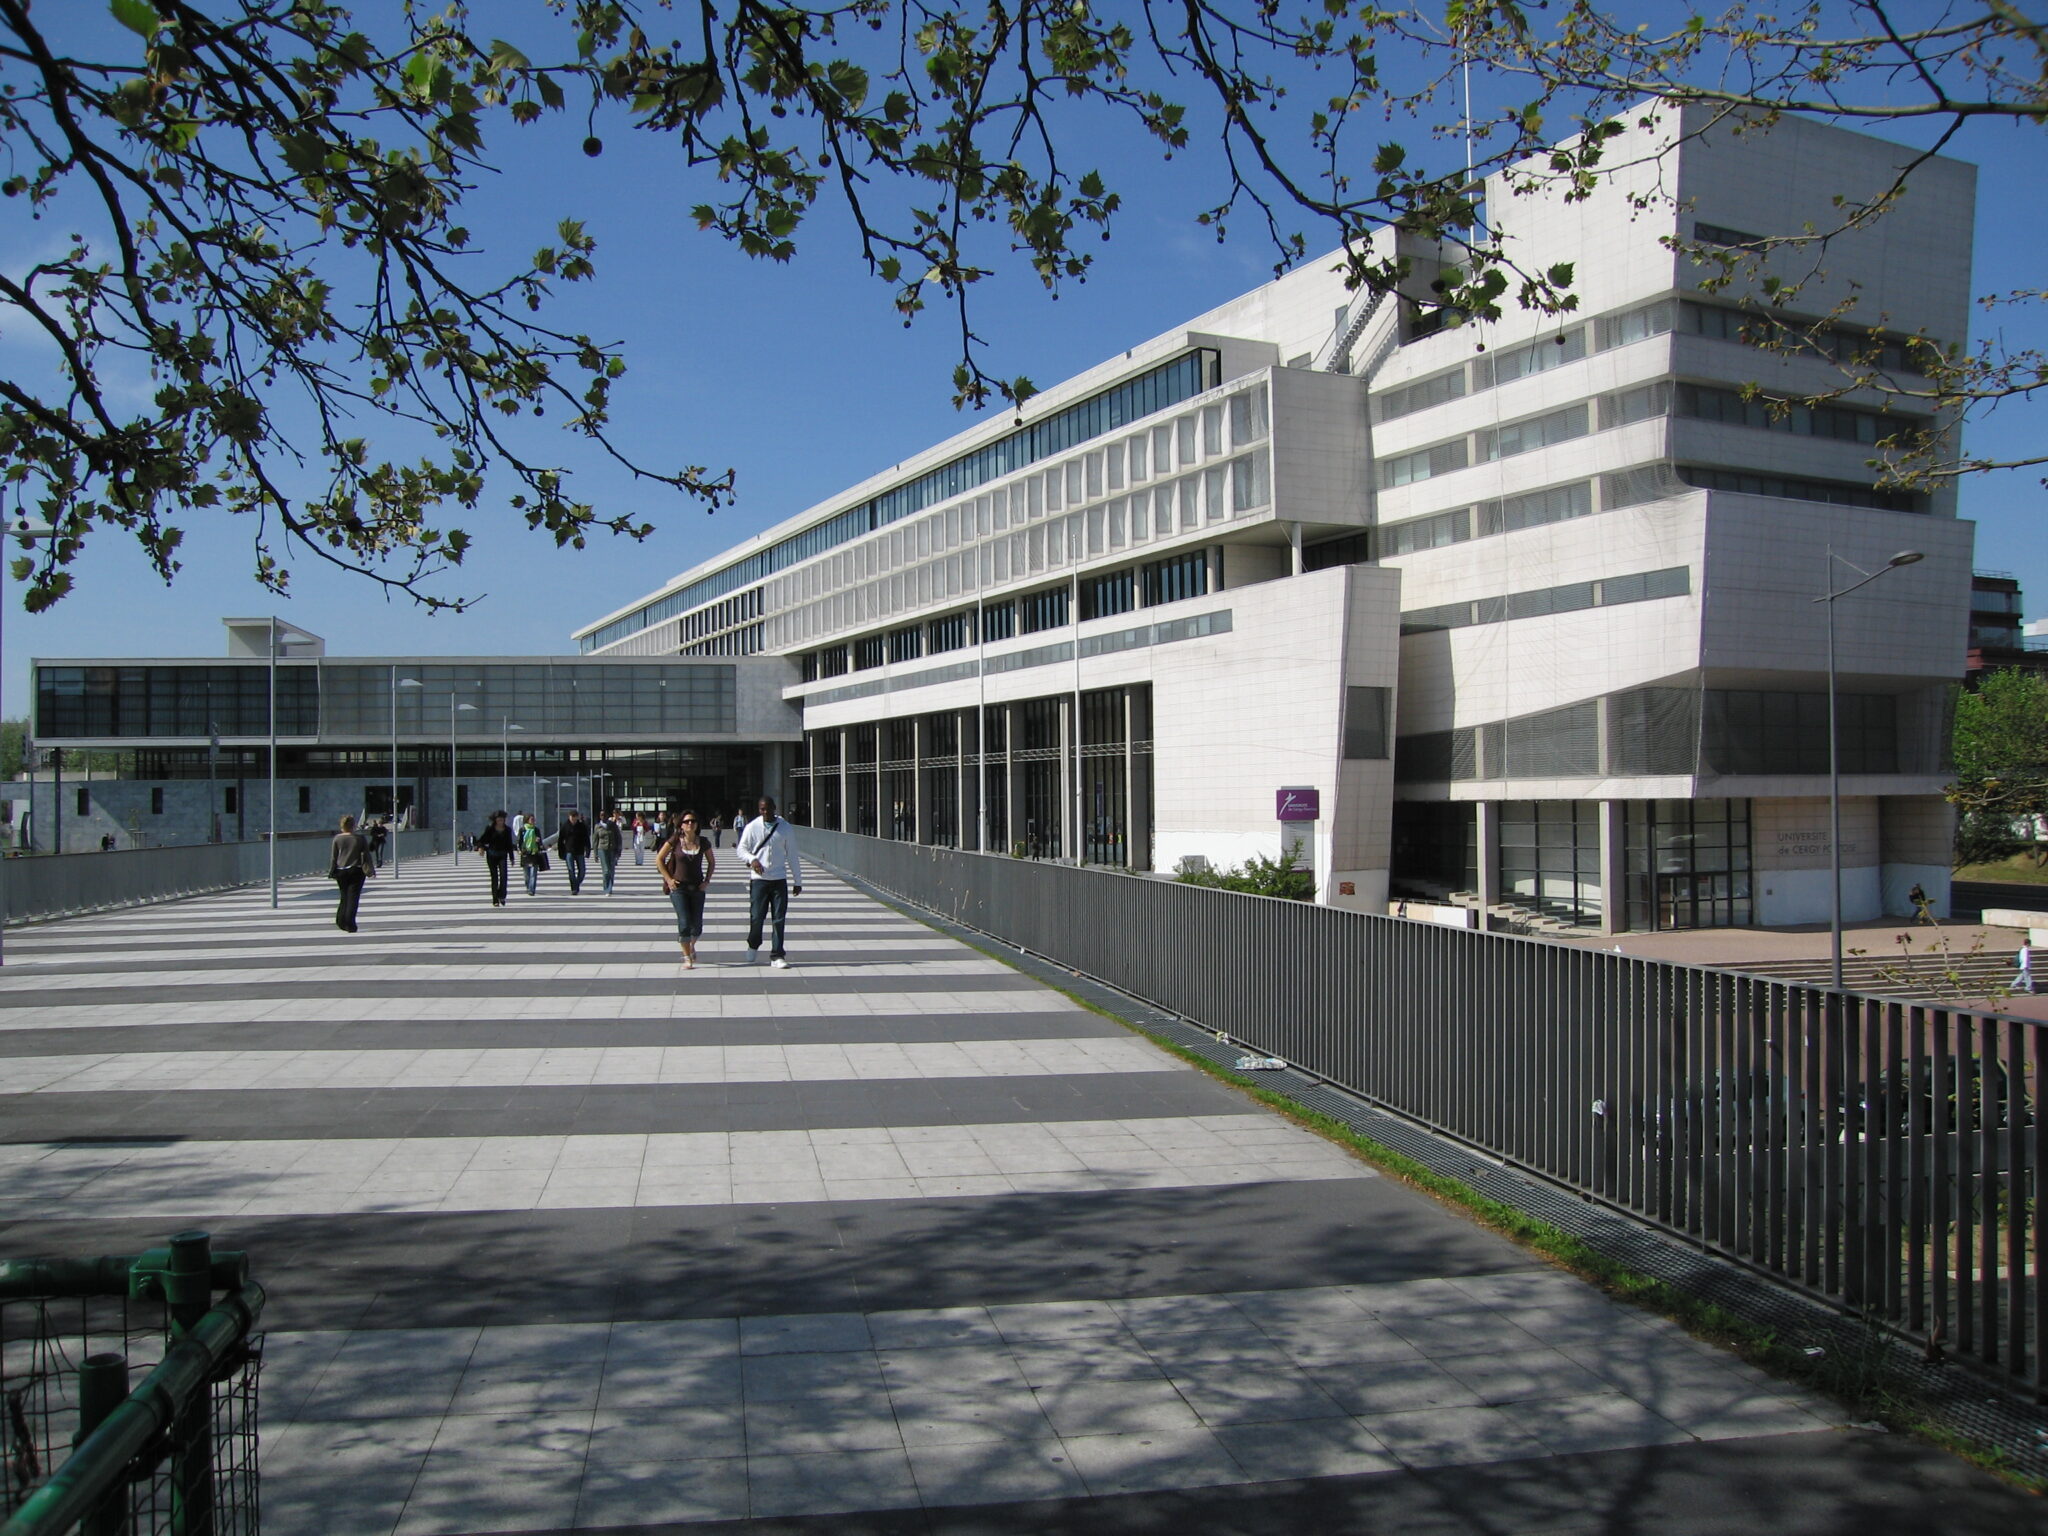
(272,796)
(505,730)
(454,832)
(1904,557)
(25,536)
(396,835)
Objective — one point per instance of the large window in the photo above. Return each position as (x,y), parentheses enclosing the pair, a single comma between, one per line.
(1537,432)
(1180,576)
(1043,610)
(1365,723)
(1550,857)
(1688,864)
(1107,594)
(177,701)
(1747,731)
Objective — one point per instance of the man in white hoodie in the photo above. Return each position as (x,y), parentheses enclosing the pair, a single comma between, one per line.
(768,849)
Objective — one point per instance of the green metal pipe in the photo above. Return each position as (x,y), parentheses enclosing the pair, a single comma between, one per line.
(20,1278)
(101,1459)
(102,1387)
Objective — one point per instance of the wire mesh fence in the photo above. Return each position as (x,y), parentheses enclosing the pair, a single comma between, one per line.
(128,1398)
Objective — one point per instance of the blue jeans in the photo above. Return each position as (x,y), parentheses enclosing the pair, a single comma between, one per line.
(578,865)
(532,878)
(767,899)
(689,907)
(608,858)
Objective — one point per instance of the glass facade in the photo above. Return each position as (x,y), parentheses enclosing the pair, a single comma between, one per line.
(1550,856)
(345,700)
(1688,864)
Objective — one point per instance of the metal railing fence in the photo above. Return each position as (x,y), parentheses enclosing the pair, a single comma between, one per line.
(1883,1154)
(67,884)
(85,1445)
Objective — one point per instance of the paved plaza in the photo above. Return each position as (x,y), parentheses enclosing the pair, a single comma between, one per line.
(561,1237)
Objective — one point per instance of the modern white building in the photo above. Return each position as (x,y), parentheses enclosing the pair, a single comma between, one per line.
(1530,606)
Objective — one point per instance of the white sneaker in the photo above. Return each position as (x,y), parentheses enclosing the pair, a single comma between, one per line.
(779,963)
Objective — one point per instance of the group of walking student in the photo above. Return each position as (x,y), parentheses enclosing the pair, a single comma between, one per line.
(685,856)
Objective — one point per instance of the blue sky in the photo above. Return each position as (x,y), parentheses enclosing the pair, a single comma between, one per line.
(803,379)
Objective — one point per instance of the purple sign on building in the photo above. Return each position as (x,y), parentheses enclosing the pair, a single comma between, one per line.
(1298,804)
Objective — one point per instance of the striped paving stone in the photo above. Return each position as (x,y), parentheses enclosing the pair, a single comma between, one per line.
(562,1237)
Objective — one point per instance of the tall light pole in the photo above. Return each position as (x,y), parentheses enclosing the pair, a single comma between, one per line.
(25,536)
(1904,557)
(505,730)
(396,835)
(454,832)
(272,796)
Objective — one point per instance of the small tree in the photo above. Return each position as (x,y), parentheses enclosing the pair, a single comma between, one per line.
(2001,755)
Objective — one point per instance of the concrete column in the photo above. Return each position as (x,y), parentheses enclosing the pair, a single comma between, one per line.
(1294,548)
(1613,866)
(1487,840)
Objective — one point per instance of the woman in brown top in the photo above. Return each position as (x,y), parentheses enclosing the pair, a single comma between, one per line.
(349,863)
(686,863)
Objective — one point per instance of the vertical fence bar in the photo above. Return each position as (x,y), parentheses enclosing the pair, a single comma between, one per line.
(1941,1100)
(1889,1230)
(1919,1131)
(2016,1193)
(1990,1104)
(1965,1083)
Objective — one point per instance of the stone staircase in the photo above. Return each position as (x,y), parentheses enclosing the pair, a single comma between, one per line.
(1529,918)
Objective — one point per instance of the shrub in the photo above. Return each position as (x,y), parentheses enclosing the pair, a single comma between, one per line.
(1260,876)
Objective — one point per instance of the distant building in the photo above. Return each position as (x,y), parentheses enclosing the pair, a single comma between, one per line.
(1998,637)
(532,733)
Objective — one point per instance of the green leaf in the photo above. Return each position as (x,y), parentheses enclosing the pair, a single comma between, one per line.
(137,16)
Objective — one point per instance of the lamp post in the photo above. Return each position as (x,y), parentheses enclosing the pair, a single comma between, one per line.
(1904,557)
(25,536)
(454,840)
(454,833)
(505,730)
(396,835)
(271,797)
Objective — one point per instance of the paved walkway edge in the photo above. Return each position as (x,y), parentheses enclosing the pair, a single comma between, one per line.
(1952,1397)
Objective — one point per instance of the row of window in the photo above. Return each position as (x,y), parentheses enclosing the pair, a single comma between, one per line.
(734,610)
(1156,390)
(1572,597)
(1199,438)
(1667,731)
(1700,402)
(1838,344)
(1188,504)
(747,640)
(1102,595)
(339,698)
